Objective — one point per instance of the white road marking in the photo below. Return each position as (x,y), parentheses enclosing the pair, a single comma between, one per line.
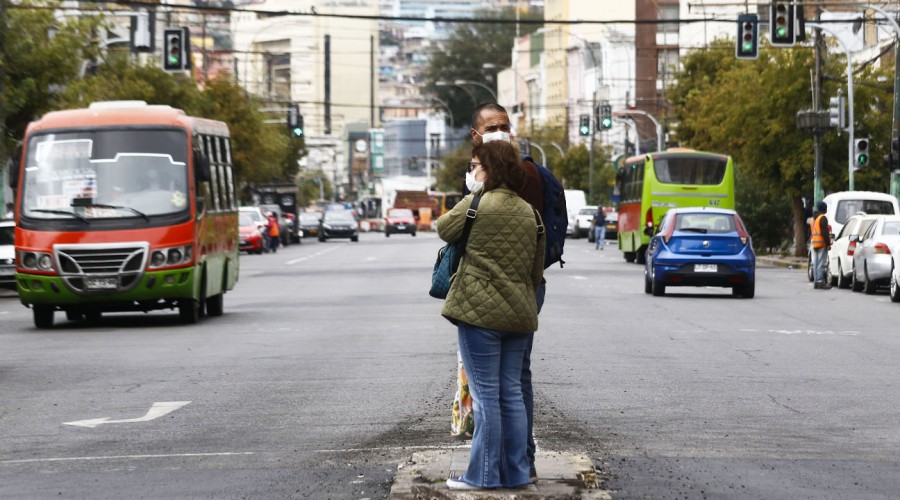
(398,448)
(848,333)
(157,410)
(126,457)
(320,252)
(577,277)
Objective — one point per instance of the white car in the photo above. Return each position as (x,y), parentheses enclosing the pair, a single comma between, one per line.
(840,257)
(7,255)
(872,261)
(583,220)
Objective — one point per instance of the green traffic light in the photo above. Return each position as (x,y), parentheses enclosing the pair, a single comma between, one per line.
(862,159)
(606,123)
(781,31)
(298,131)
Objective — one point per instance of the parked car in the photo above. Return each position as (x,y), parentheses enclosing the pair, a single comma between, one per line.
(309,223)
(895,274)
(612,225)
(250,233)
(338,224)
(583,223)
(399,220)
(701,246)
(7,255)
(872,259)
(840,256)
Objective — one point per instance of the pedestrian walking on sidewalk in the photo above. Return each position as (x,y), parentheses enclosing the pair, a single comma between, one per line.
(820,240)
(492,303)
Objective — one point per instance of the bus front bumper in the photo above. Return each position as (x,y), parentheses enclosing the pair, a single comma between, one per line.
(157,287)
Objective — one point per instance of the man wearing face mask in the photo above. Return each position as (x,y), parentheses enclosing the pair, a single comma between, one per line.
(490,122)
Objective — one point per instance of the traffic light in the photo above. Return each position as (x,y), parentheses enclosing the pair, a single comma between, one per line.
(294,120)
(584,127)
(836,111)
(176,49)
(747,43)
(782,24)
(860,153)
(892,159)
(606,121)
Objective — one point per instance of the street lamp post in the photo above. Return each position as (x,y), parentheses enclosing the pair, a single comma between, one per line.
(850,119)
(460,83)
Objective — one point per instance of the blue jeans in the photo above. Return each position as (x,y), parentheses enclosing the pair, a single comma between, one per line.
(493,362)
(527,388)
(820,263)
(600,235)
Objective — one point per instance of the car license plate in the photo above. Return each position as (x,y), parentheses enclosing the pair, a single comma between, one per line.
(101,283)
(401,226)
(705,268)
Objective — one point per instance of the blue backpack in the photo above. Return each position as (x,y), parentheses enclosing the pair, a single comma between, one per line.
(555,215)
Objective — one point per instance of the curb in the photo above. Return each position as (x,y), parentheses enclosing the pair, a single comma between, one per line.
(562,476)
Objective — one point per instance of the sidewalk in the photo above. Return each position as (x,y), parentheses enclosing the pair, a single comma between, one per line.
(789,262)
(561,476)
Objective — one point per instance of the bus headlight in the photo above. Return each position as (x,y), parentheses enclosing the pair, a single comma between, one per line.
(172,256)
(44,262)
(36,261)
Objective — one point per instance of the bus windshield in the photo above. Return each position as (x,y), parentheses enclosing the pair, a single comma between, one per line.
(690,170)
(94,174)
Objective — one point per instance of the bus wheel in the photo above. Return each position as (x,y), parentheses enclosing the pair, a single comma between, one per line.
(189,311)
(629,256)
(43,316)
(93,316)
(215,305)
(73,315)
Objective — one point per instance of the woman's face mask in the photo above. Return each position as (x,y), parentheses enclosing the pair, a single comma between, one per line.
(473,184)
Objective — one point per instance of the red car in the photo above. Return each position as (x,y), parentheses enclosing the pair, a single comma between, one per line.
(399,220)
(251,236)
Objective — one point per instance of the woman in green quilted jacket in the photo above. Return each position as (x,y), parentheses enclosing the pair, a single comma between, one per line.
(492,303)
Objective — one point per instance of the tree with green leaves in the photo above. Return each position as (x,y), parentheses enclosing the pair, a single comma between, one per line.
(464,55)
(747,109)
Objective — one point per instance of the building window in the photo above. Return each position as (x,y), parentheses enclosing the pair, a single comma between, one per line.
(667,12)
(666,63)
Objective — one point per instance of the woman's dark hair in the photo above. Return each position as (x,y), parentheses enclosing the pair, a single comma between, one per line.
(502,165)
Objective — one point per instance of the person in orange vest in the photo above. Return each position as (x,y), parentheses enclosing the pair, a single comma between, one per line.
(820,241)
(272,227)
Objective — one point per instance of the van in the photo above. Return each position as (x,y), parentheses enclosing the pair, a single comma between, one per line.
(842,205)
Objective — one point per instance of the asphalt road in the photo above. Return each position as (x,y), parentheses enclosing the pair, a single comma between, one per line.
(332,365)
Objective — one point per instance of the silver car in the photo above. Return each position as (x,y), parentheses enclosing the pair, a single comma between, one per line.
(872,260)
(840,256)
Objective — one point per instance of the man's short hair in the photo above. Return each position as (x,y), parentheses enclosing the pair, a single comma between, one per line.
(487,105)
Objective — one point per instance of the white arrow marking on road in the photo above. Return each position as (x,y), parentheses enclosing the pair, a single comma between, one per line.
(157,410)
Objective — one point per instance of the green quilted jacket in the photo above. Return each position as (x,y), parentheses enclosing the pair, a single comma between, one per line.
(494,286)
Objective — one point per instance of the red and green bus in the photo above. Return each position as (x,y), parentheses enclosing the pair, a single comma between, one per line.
(649,185)
(124,206)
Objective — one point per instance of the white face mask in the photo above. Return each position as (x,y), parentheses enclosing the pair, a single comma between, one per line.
(472,184)
(494,136)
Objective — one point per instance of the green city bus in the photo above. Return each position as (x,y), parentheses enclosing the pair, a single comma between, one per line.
(649,185)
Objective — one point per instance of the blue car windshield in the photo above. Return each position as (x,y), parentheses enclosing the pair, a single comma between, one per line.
(705,223)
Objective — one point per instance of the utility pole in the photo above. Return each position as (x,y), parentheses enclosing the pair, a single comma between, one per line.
(895,127)
(818,40)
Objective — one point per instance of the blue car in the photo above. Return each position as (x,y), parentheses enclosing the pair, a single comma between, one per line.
(701,246)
